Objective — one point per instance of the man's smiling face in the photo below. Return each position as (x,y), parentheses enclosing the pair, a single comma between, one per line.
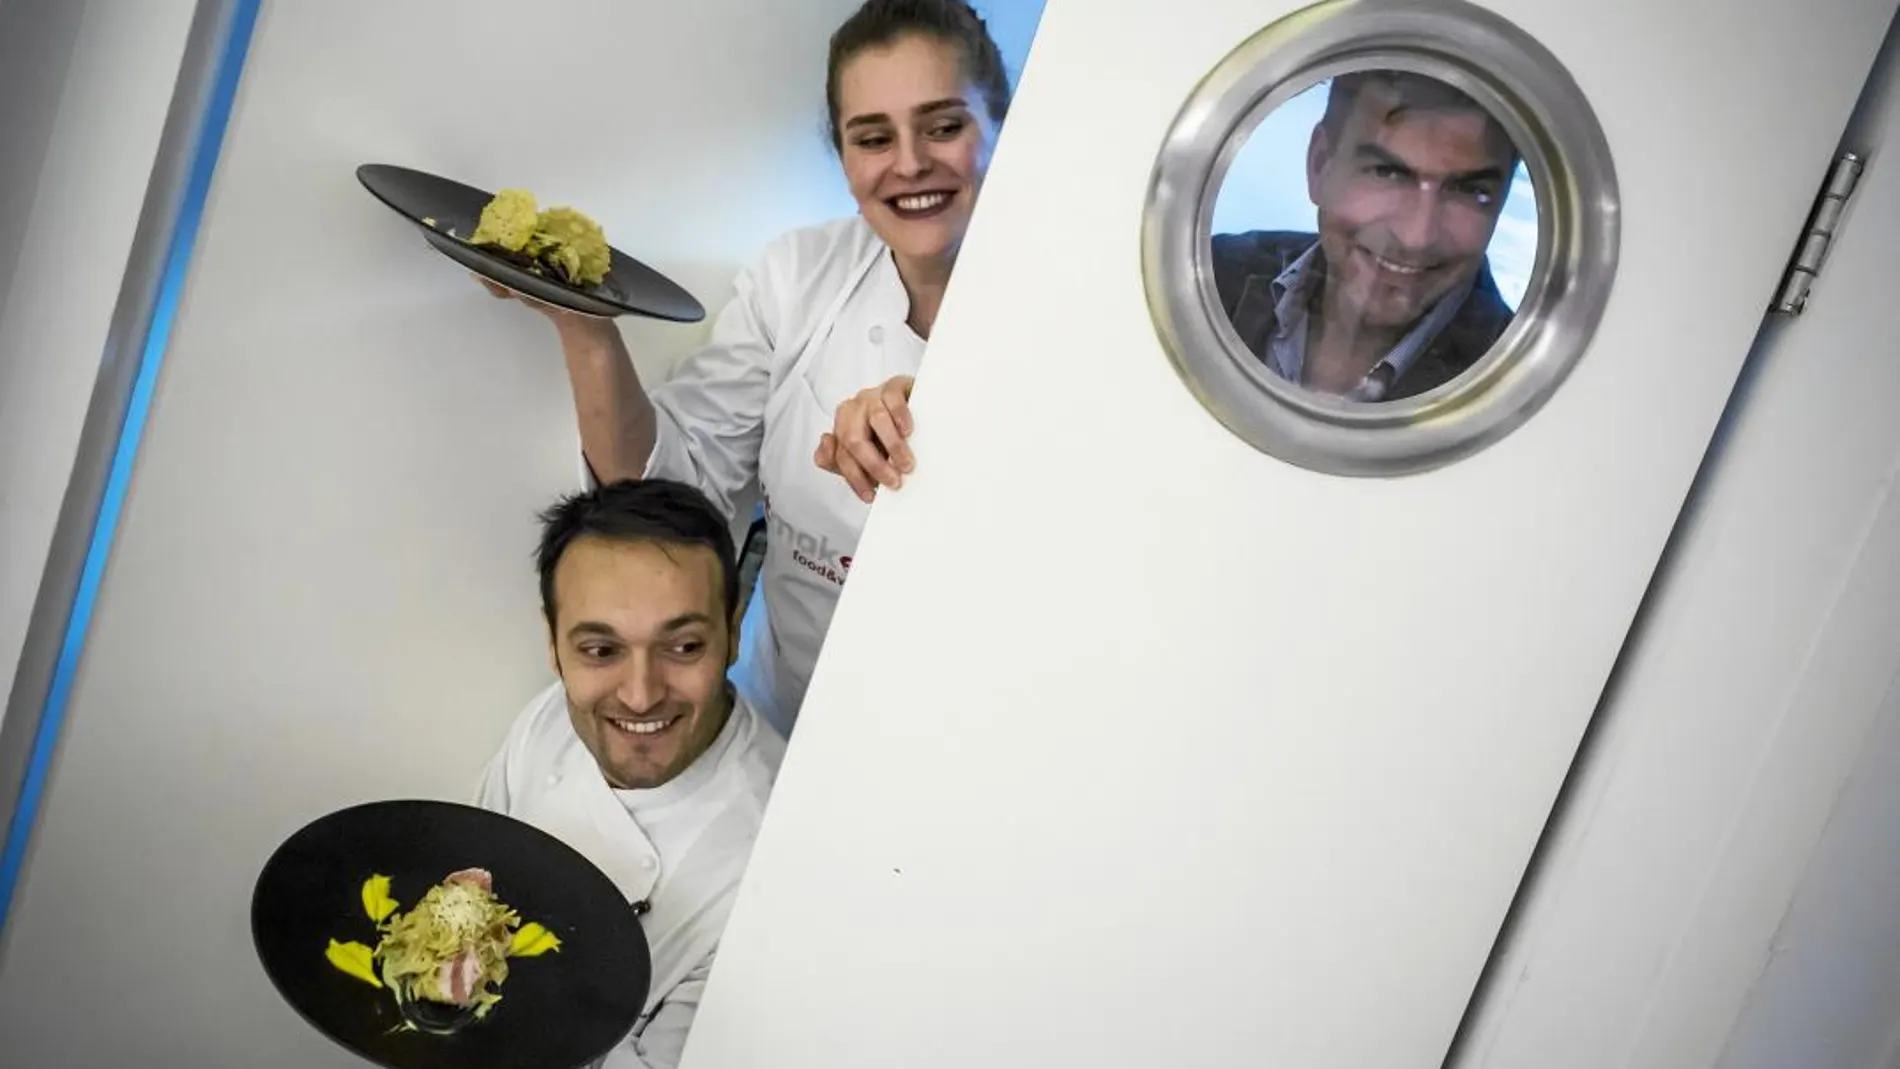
(642,643)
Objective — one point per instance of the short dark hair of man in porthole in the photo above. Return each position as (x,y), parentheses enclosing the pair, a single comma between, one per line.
(1394,295)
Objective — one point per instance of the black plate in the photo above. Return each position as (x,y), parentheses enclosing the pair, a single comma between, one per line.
(559,1010)
(631,287)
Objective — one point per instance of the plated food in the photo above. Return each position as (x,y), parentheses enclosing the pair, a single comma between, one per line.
(558,255)
(451,949)
(374,929)
(562,242)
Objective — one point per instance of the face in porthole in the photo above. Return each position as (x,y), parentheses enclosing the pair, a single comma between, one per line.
(1355,246)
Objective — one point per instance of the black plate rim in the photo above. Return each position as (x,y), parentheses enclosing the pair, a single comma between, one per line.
(563,289)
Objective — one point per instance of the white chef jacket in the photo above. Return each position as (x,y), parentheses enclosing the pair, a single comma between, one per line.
(681,847)
(821,315)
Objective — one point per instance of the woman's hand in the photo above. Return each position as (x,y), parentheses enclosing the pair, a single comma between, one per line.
(866,445)
(501,292)
(562,319)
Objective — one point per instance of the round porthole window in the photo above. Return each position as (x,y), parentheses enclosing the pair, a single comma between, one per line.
(1380,234)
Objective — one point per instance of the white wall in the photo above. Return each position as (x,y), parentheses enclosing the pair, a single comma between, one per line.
(322,588)
(72,206)
(1829,995)
(36,44)
(83,208)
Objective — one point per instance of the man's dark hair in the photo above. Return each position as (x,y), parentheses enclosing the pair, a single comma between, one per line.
(1415,92)
(637,510)
(880,23)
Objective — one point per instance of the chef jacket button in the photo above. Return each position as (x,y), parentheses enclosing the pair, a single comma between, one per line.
(646,862)
(877,335)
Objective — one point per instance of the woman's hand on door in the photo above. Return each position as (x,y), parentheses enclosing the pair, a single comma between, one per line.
(866,445)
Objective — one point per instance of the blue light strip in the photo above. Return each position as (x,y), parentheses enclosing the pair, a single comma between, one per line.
(125,454)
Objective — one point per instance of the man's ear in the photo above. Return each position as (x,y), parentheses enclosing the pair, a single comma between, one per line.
(1319,150)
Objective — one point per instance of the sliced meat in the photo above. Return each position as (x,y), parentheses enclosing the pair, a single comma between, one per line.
(478,877)
(459,977)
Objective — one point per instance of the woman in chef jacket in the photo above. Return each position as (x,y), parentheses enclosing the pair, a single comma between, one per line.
(916,91)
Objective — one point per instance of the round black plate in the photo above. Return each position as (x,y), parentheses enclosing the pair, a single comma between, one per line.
(631,287)
(560,1010)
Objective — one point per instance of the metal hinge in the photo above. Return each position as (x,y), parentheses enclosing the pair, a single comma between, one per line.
(1792,297)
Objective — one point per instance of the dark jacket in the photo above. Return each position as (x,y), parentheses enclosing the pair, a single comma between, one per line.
(1245,266)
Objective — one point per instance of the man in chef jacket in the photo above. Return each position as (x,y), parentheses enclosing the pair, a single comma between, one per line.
(1394,295)
(642,757)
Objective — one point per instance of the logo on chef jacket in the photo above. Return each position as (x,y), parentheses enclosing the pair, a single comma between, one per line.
(814,553)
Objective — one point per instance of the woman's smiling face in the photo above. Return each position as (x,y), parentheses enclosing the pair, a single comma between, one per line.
(915,142)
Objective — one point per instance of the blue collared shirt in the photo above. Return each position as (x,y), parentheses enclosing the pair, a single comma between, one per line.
(1294,293)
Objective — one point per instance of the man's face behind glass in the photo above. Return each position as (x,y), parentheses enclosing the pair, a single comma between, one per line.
(1408,185)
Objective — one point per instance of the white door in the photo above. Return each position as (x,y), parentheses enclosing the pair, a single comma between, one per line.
(1149,736)
(1719,888)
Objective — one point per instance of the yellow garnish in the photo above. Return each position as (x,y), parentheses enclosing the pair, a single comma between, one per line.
(508,220)
(573,244)
(355,959)
(561,241)
(376,900)
(532,939)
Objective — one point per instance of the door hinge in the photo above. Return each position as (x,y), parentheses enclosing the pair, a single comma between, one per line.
(1816,238)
